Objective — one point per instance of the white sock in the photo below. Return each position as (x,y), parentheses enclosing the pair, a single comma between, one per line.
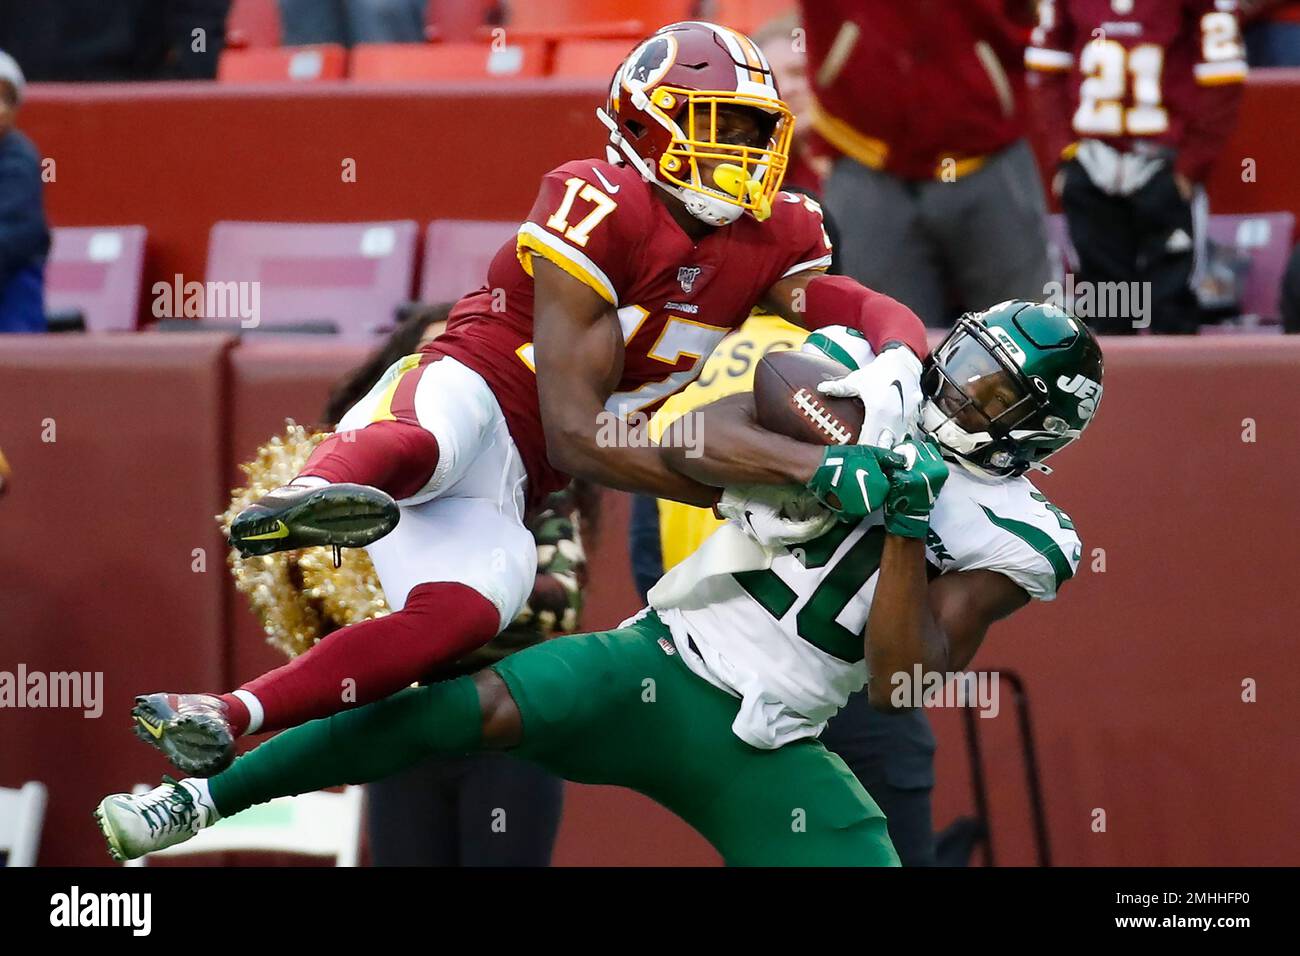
(198,788)
(255,712)
(307,481)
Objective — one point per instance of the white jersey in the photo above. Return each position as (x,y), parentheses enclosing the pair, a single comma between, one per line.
(788,639)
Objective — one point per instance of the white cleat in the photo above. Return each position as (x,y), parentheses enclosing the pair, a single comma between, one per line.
(171,813)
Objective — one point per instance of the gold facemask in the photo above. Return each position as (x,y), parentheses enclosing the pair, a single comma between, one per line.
(749,176)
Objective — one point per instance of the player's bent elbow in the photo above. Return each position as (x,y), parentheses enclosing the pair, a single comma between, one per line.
(568,449)
(883,699)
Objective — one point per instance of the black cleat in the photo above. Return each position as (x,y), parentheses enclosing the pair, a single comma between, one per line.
(192,730)
(342,516)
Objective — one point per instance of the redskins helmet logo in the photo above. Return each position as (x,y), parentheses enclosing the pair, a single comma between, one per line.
(649,64)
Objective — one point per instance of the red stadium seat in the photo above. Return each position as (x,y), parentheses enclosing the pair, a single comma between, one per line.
(596,17)
(746,16)
(96,270)
(253,23)
(407,62)
(456,256)
(351,273)
(594,59)
(456,20)
(299,64)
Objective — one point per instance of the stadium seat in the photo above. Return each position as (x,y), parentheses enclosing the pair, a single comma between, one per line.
(351,273)
(456,256)
(596,17)
(590,59)
(407,62)
(320,824)
(453,21)
(746,16)
(22,812)
(253,23)
(96,270)
(299,64)
(1265,238)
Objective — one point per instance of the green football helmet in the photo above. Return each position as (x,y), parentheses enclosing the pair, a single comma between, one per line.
(1011,386)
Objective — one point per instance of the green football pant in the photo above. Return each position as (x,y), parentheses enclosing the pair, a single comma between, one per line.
(617,707)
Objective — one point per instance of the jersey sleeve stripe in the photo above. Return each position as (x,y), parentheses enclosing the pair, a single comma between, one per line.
(534,240)
(1231,71)
(832,349)
(1040,541)
(1042,58)
(812,264)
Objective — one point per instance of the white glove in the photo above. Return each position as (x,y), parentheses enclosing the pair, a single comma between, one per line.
(890,390)
(775,516)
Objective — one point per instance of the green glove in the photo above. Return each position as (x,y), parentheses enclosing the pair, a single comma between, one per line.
(914,488)
(852,479)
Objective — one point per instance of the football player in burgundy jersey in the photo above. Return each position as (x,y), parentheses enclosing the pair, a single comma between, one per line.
(624,276)
(1138,98)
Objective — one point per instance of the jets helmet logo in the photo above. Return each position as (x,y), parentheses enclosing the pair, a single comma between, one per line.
(1085,390)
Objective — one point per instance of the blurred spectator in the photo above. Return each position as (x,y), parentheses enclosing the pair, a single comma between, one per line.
(24,239)
(810,160)
(936,193)
(1137,100)
(1272,32)
(349,22)
(121,40)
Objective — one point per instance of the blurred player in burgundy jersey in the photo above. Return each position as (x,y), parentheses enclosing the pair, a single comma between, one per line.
(1138,98)
(624,276)
(934,185)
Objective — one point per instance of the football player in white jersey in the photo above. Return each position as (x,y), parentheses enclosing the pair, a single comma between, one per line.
(710,700)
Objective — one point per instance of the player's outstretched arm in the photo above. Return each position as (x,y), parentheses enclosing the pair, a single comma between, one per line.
(579,356)
(814,300)
(735,450)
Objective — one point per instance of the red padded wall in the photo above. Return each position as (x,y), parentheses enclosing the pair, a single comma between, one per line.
(272,381)
(96,570)
(1134,674)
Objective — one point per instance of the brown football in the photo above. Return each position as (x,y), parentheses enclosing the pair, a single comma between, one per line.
(787,401)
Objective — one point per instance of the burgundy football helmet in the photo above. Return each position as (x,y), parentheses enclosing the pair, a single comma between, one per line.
(662,116)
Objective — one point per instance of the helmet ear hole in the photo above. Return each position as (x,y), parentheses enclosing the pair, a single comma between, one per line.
(634,128)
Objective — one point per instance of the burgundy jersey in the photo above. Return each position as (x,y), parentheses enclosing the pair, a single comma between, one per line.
(1140,70)
(674,298)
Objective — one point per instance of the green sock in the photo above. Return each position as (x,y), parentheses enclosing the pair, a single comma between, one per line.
(355,746)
